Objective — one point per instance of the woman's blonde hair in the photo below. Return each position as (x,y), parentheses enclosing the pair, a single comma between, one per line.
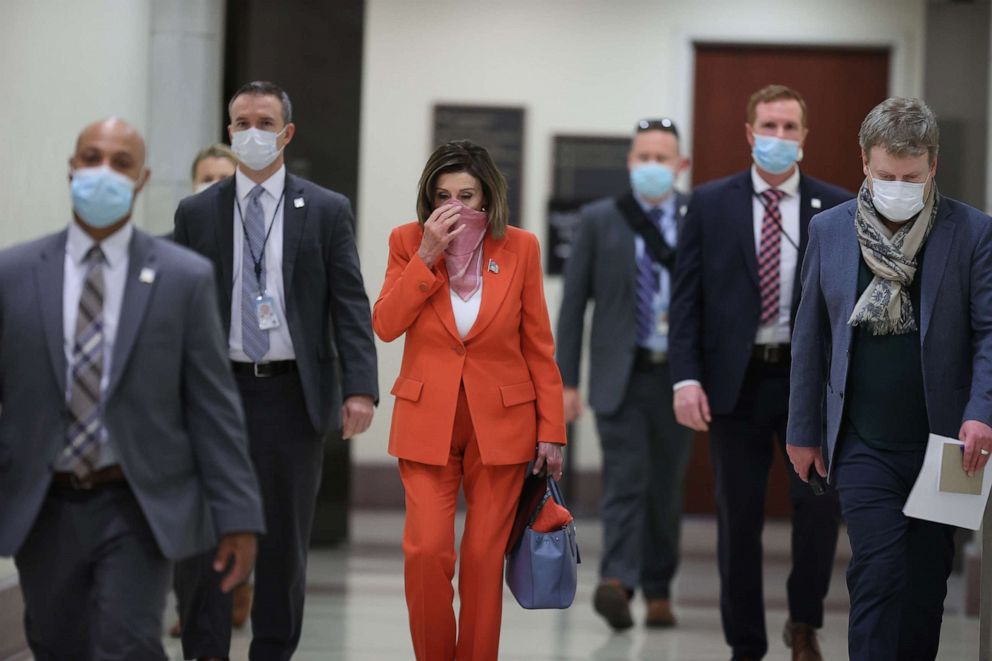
(466,156)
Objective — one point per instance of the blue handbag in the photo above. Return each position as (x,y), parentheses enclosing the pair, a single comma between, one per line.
(542,567)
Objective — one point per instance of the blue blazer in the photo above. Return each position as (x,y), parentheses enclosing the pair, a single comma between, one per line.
(955,323)
(716,303)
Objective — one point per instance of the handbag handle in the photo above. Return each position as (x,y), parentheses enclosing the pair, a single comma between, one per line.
(554,493)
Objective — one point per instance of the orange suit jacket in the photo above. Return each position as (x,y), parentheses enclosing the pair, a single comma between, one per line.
(506,361)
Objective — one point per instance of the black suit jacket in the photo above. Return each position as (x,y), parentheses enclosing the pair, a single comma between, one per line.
(327,309)
(716,303)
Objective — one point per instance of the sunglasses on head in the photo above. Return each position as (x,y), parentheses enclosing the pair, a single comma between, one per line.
(663,124)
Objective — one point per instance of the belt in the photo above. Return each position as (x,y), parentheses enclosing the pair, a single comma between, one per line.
(772,354)
(98,478)
(262,370)
(649,358)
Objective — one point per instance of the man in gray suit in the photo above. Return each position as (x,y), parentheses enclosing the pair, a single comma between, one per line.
(622,259)
(299,330)
(893,341)
(122,440)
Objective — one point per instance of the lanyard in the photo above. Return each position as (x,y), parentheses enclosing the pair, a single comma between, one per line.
(257,261)
(761,201)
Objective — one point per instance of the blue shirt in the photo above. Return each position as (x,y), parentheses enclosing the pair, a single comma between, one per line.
(658,340)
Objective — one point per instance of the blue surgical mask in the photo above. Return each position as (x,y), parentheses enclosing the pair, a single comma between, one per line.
(774,155)
(101,196)
(652,180)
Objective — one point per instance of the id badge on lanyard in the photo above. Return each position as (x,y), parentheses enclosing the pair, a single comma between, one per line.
(265,306)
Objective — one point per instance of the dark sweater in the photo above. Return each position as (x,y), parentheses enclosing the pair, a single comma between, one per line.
(885,402)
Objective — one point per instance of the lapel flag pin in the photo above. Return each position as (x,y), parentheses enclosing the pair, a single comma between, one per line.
(815,203)
(147,276)
(493,266)
(298,203)
(683,209)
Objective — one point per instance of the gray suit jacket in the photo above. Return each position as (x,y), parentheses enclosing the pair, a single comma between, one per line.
(602,266)
(172,411)
(955,323)
(327,308)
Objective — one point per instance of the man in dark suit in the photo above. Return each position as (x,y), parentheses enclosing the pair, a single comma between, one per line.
(622,259)
(122,439)
(891,373)
(297,316)
(735,295)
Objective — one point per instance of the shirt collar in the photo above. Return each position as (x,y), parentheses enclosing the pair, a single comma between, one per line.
(115,247)
(667,205)
(274,185)
(790,186)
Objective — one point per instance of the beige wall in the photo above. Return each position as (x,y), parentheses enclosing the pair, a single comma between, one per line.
(577,66)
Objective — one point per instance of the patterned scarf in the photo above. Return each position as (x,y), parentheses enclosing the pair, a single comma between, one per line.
(463,256)
(885,307)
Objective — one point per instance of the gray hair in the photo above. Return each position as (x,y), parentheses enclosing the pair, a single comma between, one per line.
(901,126)
(265,88)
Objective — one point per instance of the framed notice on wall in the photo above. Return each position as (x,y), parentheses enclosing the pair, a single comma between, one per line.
(586,168)
(500,129)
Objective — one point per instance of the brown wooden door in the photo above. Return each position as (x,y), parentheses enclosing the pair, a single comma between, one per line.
(840,86)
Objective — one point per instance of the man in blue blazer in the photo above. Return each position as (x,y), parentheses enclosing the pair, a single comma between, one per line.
(735,296)
(622,259)
(893,341)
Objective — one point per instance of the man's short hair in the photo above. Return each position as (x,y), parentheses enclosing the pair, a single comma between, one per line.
(218,150)
(265,88)
(901,126)
(770,93)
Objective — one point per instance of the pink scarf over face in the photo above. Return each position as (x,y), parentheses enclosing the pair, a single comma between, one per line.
(463,256)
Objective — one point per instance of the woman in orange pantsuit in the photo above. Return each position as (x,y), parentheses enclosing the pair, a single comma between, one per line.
(477,391)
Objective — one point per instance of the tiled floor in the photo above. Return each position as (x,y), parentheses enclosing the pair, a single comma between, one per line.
(355,608)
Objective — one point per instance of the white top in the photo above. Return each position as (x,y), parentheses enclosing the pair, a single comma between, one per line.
(466,312)
(780,332)
(115,250)
(280,344)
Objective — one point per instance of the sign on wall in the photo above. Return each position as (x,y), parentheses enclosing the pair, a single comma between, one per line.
(500,129)
(586,168)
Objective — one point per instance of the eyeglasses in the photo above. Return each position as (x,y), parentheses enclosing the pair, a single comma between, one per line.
(663,124)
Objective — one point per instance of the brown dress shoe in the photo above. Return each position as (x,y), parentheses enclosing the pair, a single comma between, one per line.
(660,614)
(802,639)
(241,608)
(612,601)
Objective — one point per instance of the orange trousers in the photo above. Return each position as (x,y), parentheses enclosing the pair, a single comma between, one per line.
(491,493)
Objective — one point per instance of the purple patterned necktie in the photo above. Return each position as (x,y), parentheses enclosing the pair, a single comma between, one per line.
(85,423)
(254,340)
(770,256)
(647,286)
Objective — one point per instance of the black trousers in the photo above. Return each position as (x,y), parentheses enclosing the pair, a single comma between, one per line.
(645,452)
(741,448)
(899,567)
(93,578)
(287,453)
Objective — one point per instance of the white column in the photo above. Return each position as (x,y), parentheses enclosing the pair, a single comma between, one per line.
(185,104)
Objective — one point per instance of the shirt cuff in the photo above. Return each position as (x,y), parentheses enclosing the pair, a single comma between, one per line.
(687,382)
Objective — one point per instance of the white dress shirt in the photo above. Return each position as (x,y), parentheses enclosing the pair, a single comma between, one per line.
(115,251)
(466,312)
(780,331)
(280,344)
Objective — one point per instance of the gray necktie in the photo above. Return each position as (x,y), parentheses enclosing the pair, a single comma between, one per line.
(254,340)
(85,424)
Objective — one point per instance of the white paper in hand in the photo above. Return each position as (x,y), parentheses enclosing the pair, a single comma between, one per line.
(927,501)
